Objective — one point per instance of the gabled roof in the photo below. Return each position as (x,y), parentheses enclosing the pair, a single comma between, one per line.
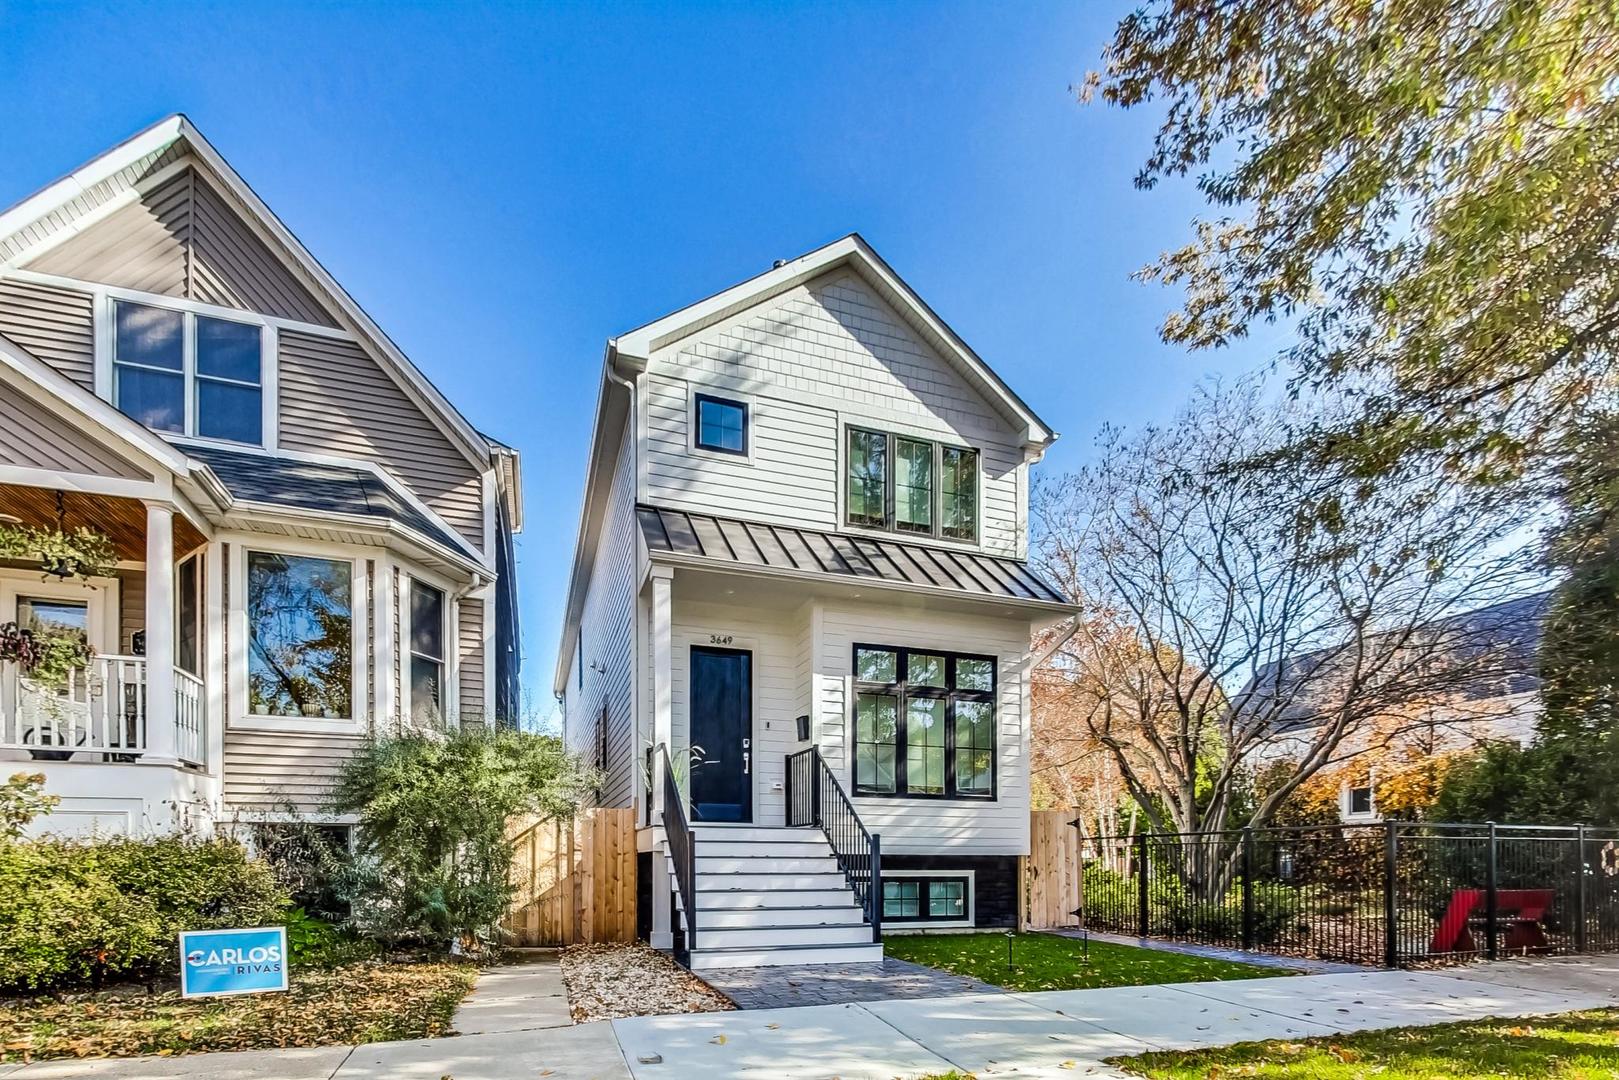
(851,252)
(81,183)
(813,553)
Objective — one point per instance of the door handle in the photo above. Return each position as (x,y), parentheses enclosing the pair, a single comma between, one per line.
(747,755)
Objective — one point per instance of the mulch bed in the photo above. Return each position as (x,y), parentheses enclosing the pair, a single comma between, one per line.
(370,1001)
(609,982)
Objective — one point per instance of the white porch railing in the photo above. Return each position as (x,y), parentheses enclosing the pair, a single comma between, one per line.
(100,715)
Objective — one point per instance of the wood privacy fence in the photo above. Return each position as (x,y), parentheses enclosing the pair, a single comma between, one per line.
(1052,871)
(575,879)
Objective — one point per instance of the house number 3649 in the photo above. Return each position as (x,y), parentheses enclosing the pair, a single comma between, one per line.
(720,639)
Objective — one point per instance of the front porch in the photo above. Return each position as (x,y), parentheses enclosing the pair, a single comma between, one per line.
(139,698)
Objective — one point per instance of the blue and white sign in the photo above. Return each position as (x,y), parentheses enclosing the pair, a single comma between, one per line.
(214,963)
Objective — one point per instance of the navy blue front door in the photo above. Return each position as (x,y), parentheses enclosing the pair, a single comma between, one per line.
(721,734)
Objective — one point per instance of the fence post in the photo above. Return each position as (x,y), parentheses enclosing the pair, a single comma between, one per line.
(1248,888)
(1391,903)
(1143,912)
(1490,897)
(1579,888)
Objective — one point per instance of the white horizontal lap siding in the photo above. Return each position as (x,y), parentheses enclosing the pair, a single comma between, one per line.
(56,325)
(812,361)
(269,772)
(774,638)
(336,400)
(932,826)
(607,625)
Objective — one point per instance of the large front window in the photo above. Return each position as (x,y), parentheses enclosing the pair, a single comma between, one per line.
(924,723)
(300,636)
(910,485)
(189,374)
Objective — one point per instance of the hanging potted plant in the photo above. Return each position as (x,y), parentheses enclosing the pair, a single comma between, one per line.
(62,553)
(48,663)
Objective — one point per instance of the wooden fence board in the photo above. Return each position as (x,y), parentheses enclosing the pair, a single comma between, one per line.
(1053,872)
(575,880)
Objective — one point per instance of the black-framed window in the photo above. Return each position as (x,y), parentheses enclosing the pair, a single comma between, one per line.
(924,723)
(910,485)
(935,898)
(722,424)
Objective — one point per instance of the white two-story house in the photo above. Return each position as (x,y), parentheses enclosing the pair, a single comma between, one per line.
(311,545)
(798,627)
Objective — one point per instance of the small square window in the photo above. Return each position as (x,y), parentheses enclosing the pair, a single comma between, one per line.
(1360,800)
(722,425)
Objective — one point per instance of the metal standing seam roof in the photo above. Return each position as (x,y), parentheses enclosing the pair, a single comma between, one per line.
(870,558)
(318,486)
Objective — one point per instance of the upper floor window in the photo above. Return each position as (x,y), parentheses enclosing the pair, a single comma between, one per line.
(722,425)
(189,374)
(911,485)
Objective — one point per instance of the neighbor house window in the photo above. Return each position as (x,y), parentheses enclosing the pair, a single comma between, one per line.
(426,655)
(911,485)
(300,636)
(189,374)
(1359,801)
(925,899)
(924,723)
(722,425)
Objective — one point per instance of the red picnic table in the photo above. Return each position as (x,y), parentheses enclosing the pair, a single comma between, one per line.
(1520,910)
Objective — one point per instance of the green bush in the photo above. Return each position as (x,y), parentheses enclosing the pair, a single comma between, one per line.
(314,942)
(1113,899)
(84,911)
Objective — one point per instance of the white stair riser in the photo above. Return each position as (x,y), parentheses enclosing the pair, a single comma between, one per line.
(765,883)
(775,937)
(768,864)
(707,834)
(752,849)
(853,954)
(743,900)
(746,917)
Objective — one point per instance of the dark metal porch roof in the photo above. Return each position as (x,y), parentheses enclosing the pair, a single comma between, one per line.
(877,559)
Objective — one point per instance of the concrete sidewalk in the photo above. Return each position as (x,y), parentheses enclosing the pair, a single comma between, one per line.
(1061,1033)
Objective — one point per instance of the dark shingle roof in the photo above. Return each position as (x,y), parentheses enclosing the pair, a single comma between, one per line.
(875,559)
(318,486)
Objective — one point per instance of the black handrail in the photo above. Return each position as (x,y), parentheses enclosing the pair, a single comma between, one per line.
(682,848)
(814,797)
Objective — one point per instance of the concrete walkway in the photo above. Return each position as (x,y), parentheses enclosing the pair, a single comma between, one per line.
(519,996)
(1058,1034)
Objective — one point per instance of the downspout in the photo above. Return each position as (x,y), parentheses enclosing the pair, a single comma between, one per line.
(632,418)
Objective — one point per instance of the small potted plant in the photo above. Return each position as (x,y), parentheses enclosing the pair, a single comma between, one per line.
(46,662)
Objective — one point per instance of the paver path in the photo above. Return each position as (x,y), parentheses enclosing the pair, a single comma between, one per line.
(1059,1034)
(838,984)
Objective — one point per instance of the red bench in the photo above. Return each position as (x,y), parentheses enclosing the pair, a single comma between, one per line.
(1521,911)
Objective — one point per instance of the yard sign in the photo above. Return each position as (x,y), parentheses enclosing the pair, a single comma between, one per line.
(214,963)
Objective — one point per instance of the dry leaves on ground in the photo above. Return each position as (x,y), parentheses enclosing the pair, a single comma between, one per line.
(606,982)
(364,1002)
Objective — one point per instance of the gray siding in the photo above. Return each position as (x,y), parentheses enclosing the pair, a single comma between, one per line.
(183,238)
(31,437)
(271,771)
(88,201)
(335,399)
(56,325)
(469,631)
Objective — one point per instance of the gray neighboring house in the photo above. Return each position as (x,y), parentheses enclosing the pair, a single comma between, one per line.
(313,544)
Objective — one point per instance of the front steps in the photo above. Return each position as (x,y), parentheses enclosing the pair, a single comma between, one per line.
(771,897)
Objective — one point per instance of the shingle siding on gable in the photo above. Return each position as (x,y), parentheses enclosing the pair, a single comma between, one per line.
(335,399)
(56,325)
(183,238)
(821,357)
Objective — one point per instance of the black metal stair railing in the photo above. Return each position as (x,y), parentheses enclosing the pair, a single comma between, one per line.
(814,797)
(682,849)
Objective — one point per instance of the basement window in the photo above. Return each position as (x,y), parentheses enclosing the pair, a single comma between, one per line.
(935,898)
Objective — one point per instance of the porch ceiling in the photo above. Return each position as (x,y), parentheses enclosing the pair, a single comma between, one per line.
(123,521)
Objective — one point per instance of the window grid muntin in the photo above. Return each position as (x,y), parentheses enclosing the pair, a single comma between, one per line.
(889,484)
(903,692)
(188,373)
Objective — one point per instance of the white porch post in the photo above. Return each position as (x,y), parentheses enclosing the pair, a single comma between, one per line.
(161,744)
(662,736)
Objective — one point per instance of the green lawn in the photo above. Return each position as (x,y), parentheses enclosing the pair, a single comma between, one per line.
(1048,962)
(1576,1046)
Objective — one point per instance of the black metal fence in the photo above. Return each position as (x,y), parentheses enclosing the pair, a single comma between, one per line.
(1390,893)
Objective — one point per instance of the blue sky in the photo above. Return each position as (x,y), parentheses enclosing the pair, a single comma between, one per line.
(505,187)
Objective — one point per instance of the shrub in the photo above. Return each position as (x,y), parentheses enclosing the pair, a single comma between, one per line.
(76,911)
(434,861)
(22,799)
(314,942)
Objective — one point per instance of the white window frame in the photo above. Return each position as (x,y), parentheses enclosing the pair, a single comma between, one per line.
(106,347)
(922,926)
(238,716)
(451,704)
(750,423)
(1345,797)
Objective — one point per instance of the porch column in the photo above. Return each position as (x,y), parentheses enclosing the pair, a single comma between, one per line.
(662,735)
(161,745)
